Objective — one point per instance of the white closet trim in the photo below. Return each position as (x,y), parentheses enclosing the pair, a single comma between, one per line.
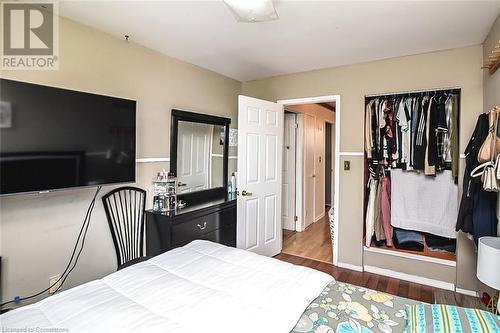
(229,157)
(467,292)
(411,278)
(152,159)
(351,153)
(350,266)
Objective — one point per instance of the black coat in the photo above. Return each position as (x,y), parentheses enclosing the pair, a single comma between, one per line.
(471,185)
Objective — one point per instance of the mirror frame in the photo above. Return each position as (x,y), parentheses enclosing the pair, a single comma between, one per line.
(180,115)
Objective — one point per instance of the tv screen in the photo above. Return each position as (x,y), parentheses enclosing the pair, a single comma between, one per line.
(53,138)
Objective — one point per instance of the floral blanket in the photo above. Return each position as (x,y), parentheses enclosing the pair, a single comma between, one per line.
(345,308)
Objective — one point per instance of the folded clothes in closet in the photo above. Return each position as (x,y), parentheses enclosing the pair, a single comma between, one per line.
(408,240)
(440,244)
(426,204)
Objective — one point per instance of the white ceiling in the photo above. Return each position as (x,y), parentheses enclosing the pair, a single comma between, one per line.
(309,34)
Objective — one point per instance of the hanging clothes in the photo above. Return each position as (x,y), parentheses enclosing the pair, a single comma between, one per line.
(471,185)
(377,226)
(484,215)
(385,208)
(413,132)
(431,147)
(368,130)
(453,109)
(477,214)
(420,144)
(415,137)
(371,211)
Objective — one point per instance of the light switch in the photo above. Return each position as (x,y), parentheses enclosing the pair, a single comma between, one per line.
(347,165)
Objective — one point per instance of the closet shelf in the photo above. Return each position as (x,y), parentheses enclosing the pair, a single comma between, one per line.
(449,256)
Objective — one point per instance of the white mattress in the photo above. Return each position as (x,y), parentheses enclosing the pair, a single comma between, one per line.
(201,287)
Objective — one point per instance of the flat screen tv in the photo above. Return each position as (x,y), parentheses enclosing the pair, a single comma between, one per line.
(53,138)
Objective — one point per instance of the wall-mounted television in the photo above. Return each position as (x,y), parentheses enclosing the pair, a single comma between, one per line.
(53,138)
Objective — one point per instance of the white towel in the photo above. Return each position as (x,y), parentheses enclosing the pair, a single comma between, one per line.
(423,203)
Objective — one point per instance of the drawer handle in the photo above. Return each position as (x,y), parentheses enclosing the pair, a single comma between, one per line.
(202,227)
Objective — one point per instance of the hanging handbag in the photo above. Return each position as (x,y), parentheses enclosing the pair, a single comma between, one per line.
(492,142)
(489,169)
(488,173)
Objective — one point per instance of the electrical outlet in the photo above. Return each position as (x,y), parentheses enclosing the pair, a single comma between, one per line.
(53,280)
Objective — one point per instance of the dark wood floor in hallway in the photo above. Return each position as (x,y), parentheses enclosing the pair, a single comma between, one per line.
(313,243)
(386,284)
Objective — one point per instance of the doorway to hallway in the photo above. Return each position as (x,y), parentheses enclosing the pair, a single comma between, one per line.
(313,243)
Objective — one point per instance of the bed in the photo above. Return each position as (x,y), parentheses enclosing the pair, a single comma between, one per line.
(207,287)
(342,307)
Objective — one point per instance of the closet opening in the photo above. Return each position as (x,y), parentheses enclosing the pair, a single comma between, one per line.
(307,194)
(411,173)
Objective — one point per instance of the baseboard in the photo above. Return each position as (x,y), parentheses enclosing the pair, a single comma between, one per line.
(319,218)
(350,266)
(467,292)
(411,278)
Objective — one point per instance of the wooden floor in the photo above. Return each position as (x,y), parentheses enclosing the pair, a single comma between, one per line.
(313,243)
(385,284)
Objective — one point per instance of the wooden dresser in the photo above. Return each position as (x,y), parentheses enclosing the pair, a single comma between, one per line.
(212,219)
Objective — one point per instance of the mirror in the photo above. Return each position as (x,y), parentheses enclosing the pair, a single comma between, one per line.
(199,151)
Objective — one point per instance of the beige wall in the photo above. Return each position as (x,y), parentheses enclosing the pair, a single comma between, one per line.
(491,83)
(38,231)
(457,67)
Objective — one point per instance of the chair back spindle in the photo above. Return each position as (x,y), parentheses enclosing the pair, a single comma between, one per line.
(124,209)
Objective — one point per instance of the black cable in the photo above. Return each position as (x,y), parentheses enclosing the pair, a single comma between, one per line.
(83,243)
(85,224)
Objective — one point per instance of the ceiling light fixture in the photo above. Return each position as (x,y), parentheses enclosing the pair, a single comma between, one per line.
(252,11)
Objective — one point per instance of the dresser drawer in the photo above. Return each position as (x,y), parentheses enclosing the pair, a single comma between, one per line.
(225,236)
(197,228)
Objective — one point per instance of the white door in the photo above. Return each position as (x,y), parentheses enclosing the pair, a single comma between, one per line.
(193,156)
(309,152)
(288,187)
(260,145)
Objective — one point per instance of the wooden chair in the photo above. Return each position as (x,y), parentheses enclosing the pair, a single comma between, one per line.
(124,209)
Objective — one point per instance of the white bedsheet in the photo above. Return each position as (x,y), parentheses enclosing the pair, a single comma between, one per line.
(201,287)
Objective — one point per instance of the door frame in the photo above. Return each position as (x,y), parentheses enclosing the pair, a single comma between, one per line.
(324,99)
(295,159)
(332,162)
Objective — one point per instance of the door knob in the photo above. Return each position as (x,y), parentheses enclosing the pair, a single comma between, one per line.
(245,193)
(181,184)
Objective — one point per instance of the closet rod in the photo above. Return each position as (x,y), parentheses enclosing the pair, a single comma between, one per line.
(411,92)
